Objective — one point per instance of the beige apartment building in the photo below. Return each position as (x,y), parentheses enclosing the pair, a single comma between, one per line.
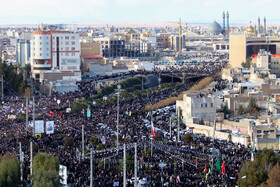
(242,47)
(197,106)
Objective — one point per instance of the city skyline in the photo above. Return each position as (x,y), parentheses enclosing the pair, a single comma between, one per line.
(145,11)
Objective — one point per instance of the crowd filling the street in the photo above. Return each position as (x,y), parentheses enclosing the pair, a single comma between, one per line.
(162,158)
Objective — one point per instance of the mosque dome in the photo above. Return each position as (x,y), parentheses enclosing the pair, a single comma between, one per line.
(251,31)
(215,28)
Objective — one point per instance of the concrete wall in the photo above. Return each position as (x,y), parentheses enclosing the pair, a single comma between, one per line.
(99,69)
(237,50)
(208,131)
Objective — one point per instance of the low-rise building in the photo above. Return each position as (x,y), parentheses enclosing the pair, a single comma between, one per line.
(198,105)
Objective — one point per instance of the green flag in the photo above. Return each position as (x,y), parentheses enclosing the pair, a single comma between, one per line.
(148,114)
(212,166)
(218,164)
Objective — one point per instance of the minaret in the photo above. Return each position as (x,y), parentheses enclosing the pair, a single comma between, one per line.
(227,23)
(259,25)
(264,26)
(224,22)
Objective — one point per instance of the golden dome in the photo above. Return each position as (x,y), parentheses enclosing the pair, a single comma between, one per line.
(251,30)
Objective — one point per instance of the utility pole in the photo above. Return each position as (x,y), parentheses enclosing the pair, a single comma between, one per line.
(214,129)
(178,127)
(83,141)
(170,127)
(2,88)
(151,147)
(118,116)
(91,168)
(31,158)
(124,165)
(26,116)
(142,87)
(21,162)
(135,165)
(33,116)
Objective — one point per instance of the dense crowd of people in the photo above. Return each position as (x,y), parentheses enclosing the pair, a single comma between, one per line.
(102,125)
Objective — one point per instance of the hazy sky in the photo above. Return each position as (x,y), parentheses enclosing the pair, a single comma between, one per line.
(191,11)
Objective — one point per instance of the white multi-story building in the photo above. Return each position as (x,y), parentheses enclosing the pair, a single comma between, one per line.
(22,52)
(198,105)
(54,50)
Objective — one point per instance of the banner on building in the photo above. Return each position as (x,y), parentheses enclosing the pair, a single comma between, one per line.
(63,174)
(49,127)
(39,126)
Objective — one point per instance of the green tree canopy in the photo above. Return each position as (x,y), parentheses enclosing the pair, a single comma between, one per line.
(187,137)
(256,172)
(100,147)
(45,169)
(129,163)
(247,64)
(252,107)
(9,172)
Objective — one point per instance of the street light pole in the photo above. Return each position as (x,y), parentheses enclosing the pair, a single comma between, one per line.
(2,80)
(83,141)
(142,87)
(135,165)
(91,168)
(26,116)
(124,165)
(33,116)
(118,113)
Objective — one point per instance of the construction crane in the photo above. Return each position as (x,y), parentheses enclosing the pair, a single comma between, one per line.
(180,33)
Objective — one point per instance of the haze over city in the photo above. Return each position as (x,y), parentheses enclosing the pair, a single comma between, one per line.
(145,11)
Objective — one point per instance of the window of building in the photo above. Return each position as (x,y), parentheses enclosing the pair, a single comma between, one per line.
(66,54)
(61,48)
(47,43)
(271,131)
(40,43)
(259,136)
(66,43)
(66,37)
(47,54)
(210,115)
(61,54)
(73,48)
(40,54)
(211,105)
(205,105)
(73,43)
(67,48)
(202,105)
(40,37)
(259,131)
(196,105)
(73,54)
(72,37)
(47,48)
(197,115)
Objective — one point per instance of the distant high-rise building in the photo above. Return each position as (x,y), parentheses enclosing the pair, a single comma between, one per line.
(112,47)
(22,51)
